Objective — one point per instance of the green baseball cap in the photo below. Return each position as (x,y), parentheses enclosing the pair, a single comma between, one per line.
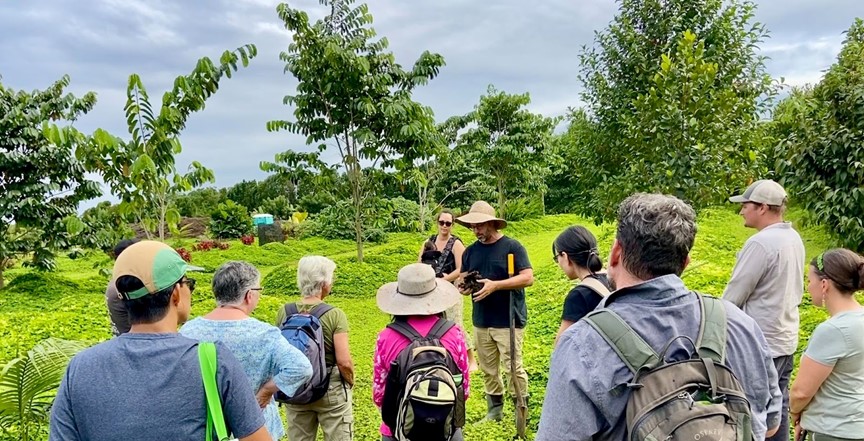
(155,264)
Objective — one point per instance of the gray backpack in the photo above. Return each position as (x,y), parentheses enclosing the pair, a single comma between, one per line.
(694,399)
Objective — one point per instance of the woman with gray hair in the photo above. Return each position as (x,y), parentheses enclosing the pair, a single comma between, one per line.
(269,361)
(333,411)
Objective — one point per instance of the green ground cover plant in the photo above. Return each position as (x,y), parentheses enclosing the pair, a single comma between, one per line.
(69,302)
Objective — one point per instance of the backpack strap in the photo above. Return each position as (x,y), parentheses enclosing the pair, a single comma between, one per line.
(440,328)
(320,309)
(215,418)
(711,342)
(405,330)
(629,346)
(595,285)
(291,309)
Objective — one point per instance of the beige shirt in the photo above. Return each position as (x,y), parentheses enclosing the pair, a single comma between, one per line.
(768,283)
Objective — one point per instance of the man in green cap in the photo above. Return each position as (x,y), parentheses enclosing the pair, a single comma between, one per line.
(147,384)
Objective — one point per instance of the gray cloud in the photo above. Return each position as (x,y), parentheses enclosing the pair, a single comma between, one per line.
(518,48)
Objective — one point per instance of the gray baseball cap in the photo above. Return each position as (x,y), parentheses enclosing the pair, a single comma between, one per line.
(763,191)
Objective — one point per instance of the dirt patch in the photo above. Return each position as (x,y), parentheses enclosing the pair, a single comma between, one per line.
(194,227)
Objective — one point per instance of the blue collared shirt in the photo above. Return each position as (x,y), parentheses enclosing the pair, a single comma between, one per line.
(583,400)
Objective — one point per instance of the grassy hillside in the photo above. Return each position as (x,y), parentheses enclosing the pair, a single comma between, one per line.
(70,304)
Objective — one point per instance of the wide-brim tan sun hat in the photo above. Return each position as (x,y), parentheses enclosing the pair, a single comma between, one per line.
(479,213)
(417,292)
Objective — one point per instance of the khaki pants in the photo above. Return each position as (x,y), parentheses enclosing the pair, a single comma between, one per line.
(493,355)
(333,412)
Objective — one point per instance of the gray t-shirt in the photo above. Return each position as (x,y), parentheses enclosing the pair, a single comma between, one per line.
(837,409)
(148,387)
(768,282)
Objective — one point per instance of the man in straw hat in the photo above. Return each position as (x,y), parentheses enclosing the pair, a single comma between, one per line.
(417,301)
(768,279)
(492,304)
(147,384)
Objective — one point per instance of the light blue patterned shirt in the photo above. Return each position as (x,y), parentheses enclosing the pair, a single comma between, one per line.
(263,353)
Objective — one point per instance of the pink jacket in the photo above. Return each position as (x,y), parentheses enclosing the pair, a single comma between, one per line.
(390,343)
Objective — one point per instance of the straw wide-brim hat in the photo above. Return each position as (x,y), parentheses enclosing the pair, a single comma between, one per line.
(479,213)
(417,292)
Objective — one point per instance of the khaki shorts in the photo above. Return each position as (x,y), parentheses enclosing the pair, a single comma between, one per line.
(333,412)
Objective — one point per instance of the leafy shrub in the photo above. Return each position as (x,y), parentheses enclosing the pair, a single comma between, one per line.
(337,222)
(279,207)
(103,227)
(207,245)
(524,208)
(184,254)
(230,221)
(404,215)
(247,239)
(198,202)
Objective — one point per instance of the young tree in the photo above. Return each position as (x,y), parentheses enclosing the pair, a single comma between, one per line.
(821,134)
(508,142)
(352,95)
(676,89)
(141,171)
(566,171)
(41,182)
(298,170)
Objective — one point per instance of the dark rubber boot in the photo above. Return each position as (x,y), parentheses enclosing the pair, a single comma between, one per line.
(495,408)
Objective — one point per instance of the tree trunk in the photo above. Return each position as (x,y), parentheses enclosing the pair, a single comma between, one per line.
(422,199)
(543,203)
(358,209)
(502,210)
(358,228)
(2,280)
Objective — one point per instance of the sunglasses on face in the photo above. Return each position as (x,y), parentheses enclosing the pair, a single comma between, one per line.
(189,282)
(444,223)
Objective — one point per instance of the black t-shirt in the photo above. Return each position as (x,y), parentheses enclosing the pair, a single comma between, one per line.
(490,260)
(581,300)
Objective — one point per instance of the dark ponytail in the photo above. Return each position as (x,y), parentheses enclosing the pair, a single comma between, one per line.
(843,267)
(580,246)
(861,275)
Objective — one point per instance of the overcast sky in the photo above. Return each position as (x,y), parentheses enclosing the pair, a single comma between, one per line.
(517,45)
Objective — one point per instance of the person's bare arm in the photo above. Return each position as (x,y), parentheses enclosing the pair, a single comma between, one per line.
(266,392)
(524,279)
(458,249)
(564,325)
(343,357)
(259,435)
(811,375)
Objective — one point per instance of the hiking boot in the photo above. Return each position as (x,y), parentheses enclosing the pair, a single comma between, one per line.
(495,408)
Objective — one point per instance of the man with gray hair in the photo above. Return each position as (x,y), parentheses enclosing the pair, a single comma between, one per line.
(768,279)
(333,412)
(587,393)
(268,360)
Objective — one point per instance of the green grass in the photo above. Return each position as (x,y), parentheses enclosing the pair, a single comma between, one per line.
(69,303)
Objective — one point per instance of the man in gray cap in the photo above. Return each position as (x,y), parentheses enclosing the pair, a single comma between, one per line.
(768,279)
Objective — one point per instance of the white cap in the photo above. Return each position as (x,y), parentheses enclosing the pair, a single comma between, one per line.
(763,191)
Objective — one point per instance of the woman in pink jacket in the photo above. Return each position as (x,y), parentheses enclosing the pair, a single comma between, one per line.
(417,302)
